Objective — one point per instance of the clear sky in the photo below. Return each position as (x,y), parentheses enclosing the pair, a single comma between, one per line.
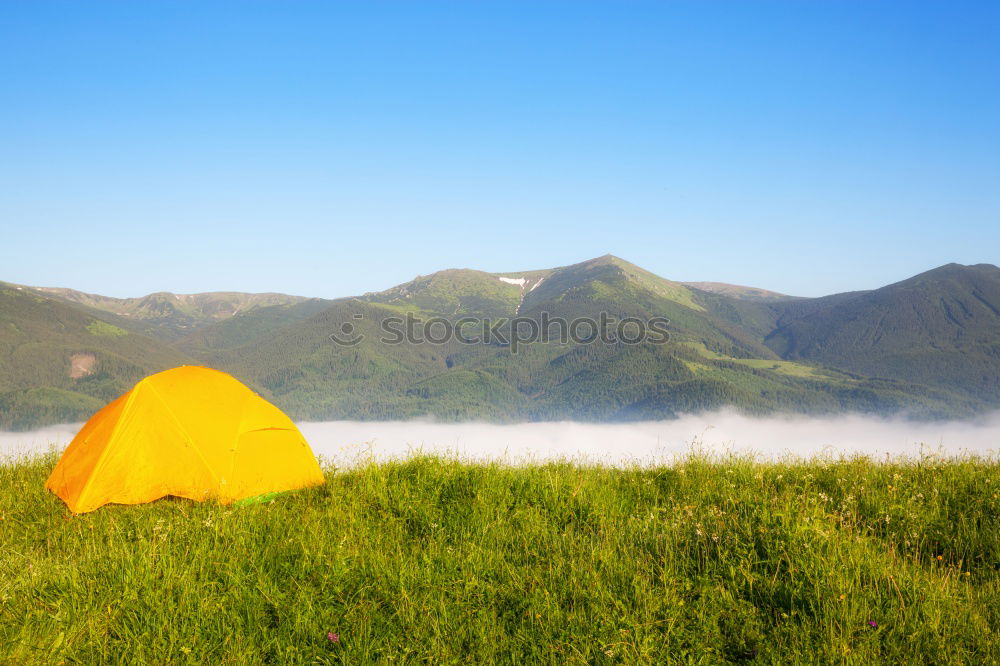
(330,149)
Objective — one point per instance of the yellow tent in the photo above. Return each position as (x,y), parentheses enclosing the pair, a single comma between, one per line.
(190,432)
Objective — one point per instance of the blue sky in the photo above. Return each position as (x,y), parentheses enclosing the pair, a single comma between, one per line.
(330,149)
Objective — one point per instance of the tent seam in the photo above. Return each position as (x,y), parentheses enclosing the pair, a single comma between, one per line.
(236,440)
(111,442)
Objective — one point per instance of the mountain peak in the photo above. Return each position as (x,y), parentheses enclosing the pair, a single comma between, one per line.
(606,260)
(953,272)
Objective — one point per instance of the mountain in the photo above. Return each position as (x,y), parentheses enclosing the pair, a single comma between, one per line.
(314,378)
(58,363)
(246,326)
(928,346)
(716,355)
(939,328)
(171,316)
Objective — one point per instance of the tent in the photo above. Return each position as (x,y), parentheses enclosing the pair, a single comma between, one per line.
(189,432)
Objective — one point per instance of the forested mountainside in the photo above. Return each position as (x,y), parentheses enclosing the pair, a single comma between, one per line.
(927,346)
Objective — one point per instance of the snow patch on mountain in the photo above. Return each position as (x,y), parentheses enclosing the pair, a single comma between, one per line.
(520,282)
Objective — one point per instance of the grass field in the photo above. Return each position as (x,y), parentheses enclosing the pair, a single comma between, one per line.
(438,561)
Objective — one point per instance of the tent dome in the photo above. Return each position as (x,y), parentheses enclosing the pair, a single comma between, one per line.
(189,432)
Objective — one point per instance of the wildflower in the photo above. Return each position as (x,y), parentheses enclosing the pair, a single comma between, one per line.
(873,624)
(186,650)
(843,596)
(332,637)
(940,557)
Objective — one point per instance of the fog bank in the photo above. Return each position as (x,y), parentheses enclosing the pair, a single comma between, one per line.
(345,443)
(655,442)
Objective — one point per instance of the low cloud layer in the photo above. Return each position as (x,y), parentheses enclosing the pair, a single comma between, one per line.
(15,444)
(344,443)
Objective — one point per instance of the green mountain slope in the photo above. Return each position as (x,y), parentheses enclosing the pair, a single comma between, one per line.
(58,363)
(740,292)
(716,356)
(928,346)
(168,316)
(939,328)
(310,376)
(246,327)
(454,292)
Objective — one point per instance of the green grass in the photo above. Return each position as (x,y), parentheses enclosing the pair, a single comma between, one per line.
(789,368)
(104,329)
(438,561)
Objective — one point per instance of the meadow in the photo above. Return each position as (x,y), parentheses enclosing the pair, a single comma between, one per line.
(435,560)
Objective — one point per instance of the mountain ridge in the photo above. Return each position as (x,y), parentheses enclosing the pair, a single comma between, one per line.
(927,345)
(169,313)
(741,292)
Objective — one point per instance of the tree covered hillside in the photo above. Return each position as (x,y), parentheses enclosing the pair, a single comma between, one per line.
(60,364)
(939,328)
(715,357)
(928,346)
